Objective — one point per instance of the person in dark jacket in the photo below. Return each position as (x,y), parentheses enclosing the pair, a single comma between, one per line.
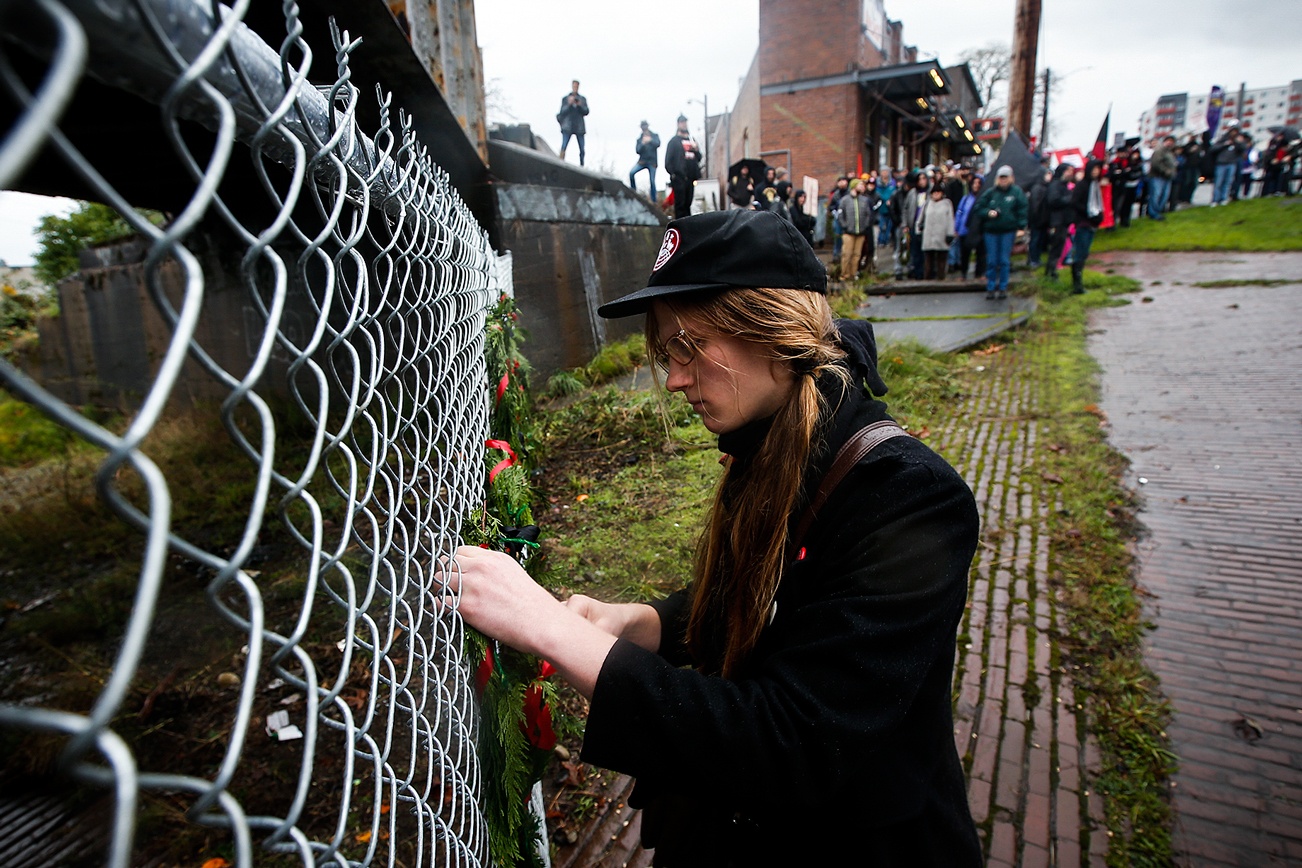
(967,225)
(1125,173)
(1002,208)
(741,188)
(1087,215)
(1037,219)
(1162,168)
(857,217)
(648,155)
(683,163)
(1058,216)
(812,724)
(803,222)
(574,108)
(1226,155)
(766,191)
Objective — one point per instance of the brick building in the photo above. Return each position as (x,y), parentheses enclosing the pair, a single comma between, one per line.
(834,87)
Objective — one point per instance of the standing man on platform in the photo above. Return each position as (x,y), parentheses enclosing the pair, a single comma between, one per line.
(574,108)
(648,154)
(683,163)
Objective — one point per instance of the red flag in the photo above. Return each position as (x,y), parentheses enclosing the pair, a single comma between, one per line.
(1100,151)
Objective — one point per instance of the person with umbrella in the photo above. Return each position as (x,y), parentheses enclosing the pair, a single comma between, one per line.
(741,184)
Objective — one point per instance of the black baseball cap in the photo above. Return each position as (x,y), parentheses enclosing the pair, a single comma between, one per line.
(725,250)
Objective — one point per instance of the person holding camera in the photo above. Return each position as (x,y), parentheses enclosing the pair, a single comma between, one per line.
(1003,218)
(648,154)
(574,108)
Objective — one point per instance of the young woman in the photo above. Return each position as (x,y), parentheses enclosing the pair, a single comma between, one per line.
(1087,214)
(812,724)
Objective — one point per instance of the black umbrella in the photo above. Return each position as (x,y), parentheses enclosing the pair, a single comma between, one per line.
(757,168)
(1289,133)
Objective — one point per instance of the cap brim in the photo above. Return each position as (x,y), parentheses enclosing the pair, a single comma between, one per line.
(638,302)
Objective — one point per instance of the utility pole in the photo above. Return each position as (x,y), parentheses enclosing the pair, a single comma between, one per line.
(1044,116)
(1021,87)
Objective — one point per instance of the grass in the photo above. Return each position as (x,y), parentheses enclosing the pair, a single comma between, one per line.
(1250,224)
(27,436)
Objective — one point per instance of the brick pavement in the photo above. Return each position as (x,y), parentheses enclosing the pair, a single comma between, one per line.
(1201,387)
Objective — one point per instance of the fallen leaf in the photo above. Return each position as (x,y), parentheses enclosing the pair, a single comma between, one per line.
(573,773)
(1054,447)
(989,351)
(581,498)
(363,837)
(1051,477)
(216,862)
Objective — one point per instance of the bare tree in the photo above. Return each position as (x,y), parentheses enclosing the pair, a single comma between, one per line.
(991,67)
(496,105)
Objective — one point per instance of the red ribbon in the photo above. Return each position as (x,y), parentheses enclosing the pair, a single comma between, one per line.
(501,386)
(505,462)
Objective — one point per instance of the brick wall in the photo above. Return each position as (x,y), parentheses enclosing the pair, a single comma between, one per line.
(807,38)
(823,128)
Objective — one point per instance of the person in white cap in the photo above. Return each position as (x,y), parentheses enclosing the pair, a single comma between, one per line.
(1002,209)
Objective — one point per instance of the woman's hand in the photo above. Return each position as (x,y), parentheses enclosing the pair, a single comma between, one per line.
(497,597)
(636,622)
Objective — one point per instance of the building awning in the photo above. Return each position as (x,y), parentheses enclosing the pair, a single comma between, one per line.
(902,81)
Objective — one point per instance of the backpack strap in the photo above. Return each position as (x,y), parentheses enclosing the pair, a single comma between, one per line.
(865,440)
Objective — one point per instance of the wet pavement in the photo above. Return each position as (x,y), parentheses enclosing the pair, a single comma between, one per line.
(942,320)
(1201,388)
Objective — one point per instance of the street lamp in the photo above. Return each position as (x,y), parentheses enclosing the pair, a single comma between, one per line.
(704,103)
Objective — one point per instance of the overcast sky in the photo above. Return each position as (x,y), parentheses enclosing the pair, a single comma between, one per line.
(649,60)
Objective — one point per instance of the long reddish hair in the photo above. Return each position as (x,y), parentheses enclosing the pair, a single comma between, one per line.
(743,549)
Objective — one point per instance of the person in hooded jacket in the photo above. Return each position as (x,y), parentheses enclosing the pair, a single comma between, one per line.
(812,722)
(1087,213)
(1059,213)
(803,222)
(1037,219)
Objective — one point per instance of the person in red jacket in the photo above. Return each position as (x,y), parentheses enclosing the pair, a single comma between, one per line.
(792,705)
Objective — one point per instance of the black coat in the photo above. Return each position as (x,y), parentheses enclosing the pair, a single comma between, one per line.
(683,158)
(835,743)
(1057,201)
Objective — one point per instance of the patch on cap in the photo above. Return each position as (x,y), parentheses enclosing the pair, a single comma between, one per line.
(668,248)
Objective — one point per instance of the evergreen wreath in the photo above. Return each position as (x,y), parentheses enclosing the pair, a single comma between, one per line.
(516,736)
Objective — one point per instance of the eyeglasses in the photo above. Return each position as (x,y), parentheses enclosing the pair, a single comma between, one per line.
(679,348)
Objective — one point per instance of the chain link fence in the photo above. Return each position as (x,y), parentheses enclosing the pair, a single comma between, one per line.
(343,731)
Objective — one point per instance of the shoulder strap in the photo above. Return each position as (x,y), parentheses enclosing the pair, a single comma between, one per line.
(865,440)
